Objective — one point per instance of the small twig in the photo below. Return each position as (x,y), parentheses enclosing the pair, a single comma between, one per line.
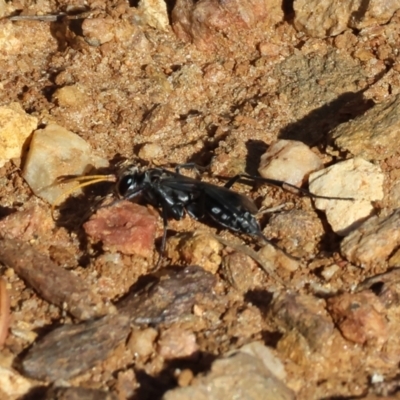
(49,18)
(252,254)
(45,18)
(4,312)
(272,209)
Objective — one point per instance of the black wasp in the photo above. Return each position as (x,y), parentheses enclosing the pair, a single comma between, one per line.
(177,194)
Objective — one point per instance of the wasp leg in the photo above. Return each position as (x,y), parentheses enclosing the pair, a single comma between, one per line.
(281,184)
(164,236)
(233,180)
(191,165)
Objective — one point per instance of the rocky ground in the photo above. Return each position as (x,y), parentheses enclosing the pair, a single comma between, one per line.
(300,86)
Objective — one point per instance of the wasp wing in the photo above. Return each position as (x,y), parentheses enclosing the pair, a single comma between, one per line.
(213,195)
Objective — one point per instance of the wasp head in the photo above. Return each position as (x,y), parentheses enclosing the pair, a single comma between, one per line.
(130,183)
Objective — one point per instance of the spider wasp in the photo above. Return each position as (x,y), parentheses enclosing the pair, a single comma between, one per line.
(176,194)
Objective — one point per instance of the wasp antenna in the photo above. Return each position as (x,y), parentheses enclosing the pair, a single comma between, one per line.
(83,178)
(94,179)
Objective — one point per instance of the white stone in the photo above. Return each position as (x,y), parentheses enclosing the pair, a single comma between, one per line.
(56,152)
(155,13)
(10,44)
(13,384)
(150,151)
(355,178)
(15,127)
(329,271)
(275,259)
(267,356)
(290,161)
(321,18)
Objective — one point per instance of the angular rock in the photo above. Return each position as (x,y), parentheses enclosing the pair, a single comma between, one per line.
(242,272)
(326,18)
(155,13)
(289,161)
(73,349)
(307,315)
(9,42)
(359,316)
(197,249)
(98,31)
(204,21)
(27,224)
(274,259)
(374,241)
(4,9)
(15,128)
(126,227)
(12,384)
(354,178)
(240,376)
(73,96)
(372,135)
(177,342)
(299,232)
(141,342)
(53,283)
(267,356)
(386,286)
(54,152)
(171,299)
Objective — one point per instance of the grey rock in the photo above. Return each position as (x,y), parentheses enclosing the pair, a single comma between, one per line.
(371,136)
(374,241)
(241,376)
(329,18)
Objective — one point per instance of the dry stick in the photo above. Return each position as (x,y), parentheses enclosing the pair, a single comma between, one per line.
(251,253)
(4,311)
(49,18)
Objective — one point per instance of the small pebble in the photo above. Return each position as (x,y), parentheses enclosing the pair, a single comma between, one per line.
(185,377)
(15,128)
(289,161)
(12,383)
(329,271)
(306,314)
(150,151)
(141,342)
(199,249)
(354,178)
(360,316)
(155,13)
(54,152)
(126,227)
(374,241)
(236,376)
(97,31)
(277,259)
(73,96)
(176,342)
(268,357)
